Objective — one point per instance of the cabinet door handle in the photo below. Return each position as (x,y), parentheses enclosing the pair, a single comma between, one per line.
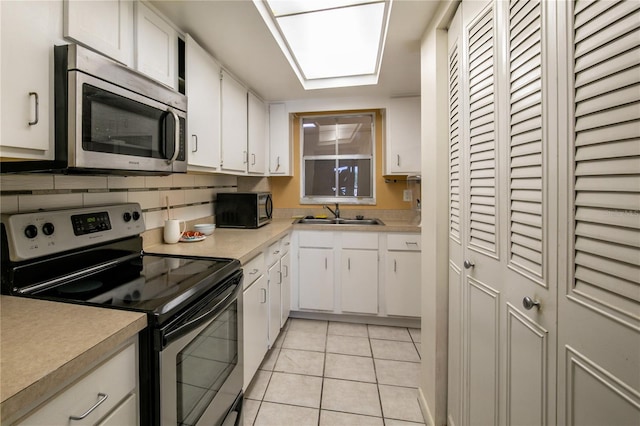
(325,263)
(277,162)
(395,265)
(398,160)
(37,108)
(349,264)
(280,274)
(263,291)
(286,271)
(246,157)
(253,159)
(103,397)
(195,138)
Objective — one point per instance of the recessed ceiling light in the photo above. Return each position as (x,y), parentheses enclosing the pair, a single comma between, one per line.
(329,43)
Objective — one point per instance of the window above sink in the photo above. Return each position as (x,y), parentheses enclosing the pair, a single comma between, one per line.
(338,159)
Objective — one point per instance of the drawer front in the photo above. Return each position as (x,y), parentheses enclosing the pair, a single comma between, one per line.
(253,269)
(274,252)
(360,240)
(406,242)
(315,239)
(116,379)
(286,243)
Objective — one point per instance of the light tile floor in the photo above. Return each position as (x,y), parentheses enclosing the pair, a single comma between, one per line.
(327,373)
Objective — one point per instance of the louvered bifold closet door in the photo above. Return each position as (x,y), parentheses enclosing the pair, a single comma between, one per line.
(607,153)
(525,144)
(454,144)
(481,127)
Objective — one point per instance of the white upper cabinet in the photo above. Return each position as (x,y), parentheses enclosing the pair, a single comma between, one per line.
(203,91)
(103,25)
(279,141)
(234,125)
(403,136)
(28,33)
(258,135)
(156,46)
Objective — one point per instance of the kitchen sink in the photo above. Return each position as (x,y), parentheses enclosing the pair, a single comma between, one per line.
(338,221)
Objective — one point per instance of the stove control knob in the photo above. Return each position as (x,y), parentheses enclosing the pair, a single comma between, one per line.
(30,231)
(48,228)
(126,216)
(136,215)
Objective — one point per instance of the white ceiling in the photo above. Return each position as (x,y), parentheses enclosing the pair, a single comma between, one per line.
(235,34)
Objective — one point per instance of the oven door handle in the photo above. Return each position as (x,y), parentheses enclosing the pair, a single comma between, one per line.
(208,313)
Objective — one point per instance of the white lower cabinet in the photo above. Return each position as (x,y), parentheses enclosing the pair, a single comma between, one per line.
(316,278)
(275,300)
(285,305)
(359,272)
(402,275)
(379,273)
(107,395)
(255,314)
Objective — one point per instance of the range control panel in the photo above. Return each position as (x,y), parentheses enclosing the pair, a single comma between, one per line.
(35,234)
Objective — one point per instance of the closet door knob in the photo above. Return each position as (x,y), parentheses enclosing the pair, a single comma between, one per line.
(529,303)
(468,264)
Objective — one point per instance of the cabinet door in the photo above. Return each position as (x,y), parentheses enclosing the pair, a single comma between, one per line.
(255,314)
(156,47)
(279,142)
(403,145)
(275,296)
(359,281)
(103,25)
(316,279)
(257,134)
(125,414)
(285,306)
(234,125)
(28,33)
(402,283)
(203,90)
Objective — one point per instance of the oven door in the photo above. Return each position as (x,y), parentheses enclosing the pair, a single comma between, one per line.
(201,361)
(114,128)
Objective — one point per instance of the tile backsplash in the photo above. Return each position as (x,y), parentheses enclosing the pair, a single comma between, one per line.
(191,196)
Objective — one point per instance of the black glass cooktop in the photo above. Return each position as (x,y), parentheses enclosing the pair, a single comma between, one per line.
(153,284)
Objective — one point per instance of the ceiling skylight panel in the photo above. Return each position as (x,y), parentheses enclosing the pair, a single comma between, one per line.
(290,7)
(329,43)
(335,42)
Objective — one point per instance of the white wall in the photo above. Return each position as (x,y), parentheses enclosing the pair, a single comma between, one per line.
(435,216)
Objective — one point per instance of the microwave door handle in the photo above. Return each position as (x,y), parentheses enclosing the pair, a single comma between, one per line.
(269,206)
(176,141)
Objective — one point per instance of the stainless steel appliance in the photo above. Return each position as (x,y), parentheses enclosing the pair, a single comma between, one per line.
(190,353)
(243,209)
(112,119)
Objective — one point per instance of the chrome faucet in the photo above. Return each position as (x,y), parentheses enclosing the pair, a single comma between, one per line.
(336,212)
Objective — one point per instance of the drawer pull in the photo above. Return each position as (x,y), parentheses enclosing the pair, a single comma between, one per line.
(37,109)
(411,243)
(253,271)
(275,253)
(103,397)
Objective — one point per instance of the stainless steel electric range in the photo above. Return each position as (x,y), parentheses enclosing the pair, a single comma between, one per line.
(190,353)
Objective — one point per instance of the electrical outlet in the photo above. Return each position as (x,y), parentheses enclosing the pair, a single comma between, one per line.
(407,195)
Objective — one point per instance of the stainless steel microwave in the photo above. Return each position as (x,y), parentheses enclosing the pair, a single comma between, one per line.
(110,118)
(243,209)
